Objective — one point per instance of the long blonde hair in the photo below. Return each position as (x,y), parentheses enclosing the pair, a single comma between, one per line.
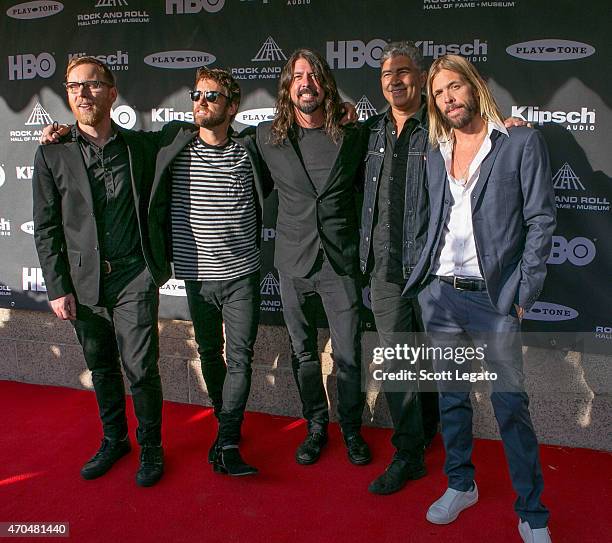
(439,128)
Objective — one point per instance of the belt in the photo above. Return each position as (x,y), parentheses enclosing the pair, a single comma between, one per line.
(463,283)
(109,266)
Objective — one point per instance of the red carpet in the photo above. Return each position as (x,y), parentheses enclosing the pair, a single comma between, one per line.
(48,432)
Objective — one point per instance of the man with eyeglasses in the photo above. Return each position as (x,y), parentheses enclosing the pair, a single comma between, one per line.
(214,183)
(90,195)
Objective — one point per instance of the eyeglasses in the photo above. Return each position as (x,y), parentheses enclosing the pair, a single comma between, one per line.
(209,95)
(93,85)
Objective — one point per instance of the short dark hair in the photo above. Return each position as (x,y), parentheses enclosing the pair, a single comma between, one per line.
(77,61)
(223,78)
(402,49)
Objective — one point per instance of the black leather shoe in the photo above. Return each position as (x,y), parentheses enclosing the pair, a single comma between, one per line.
(109,452)
(229,461)
(310,449)
(395,477)
(151,465)
(212,452)
(357,449)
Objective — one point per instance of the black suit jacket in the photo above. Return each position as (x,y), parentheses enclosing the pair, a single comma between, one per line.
(171,140)
(307,218)
(65,231)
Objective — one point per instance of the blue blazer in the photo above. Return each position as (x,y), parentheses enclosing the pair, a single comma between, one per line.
(513,218)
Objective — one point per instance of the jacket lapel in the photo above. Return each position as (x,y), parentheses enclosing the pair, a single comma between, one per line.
(486,166)
(302,179)
(74,161)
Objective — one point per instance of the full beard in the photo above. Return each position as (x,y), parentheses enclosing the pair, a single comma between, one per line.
(211,121)
(90,118)
(466,116)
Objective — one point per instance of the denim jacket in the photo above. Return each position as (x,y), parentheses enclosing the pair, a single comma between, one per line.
(416,208)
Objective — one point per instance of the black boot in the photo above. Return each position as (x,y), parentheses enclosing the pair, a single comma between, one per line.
(357,449)
(109,452)
(397,474)
(212,452)
(310,449)
(151,465)
(229,461)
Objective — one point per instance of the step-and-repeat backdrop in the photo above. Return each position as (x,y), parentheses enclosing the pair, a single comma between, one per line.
(546,61)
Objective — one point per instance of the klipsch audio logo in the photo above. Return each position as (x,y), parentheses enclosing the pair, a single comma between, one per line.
(253,117)
(107,13)
(116,61)
(5,227)
(474,51)
(38,117)
(578,251)
(266,64)
(545,311)
(550,50)
(29,66)
(167,114)
(124,116)
(179,60)
(189,7)
(568,183)
(268,234)
(270,294)
(573,120)
(173,287)
(24,173)
(35,10)
(365,109)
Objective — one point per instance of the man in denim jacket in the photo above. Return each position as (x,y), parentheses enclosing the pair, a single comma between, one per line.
(394,227)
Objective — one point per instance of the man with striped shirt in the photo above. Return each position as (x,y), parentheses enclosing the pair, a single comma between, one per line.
(215,186)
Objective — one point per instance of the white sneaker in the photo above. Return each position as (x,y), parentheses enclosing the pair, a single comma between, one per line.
(529,535)
(447,508)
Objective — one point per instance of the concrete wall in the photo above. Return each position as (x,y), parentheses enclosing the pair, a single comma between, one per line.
(569,391)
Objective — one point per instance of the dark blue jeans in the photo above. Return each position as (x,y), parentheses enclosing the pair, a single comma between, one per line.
(450,317)
(234,302)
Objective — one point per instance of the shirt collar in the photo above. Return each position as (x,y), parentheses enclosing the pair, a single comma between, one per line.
(491,126)
(77,134)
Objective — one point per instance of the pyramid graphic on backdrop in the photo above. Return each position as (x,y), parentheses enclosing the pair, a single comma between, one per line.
(39,116)
(269,51)
(365,109)
(110,3)
(566,179)
(270,285)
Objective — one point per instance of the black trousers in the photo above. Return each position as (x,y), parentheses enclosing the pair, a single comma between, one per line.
(414,414)
(234,302)
(123,329)
(341,299)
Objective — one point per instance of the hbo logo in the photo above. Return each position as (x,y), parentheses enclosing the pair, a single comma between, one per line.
(29,66)
(354,53)
(579,251)
(193,6)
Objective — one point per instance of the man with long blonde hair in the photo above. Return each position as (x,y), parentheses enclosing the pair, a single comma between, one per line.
(484,263)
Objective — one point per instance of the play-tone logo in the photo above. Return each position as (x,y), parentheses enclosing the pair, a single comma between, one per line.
(550,50)
(545,311)
(28,227)
(189,7)
(253,117)
(173,287)
(29,66)
(124,116)
(179,60)
(35,10)
(364,108)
